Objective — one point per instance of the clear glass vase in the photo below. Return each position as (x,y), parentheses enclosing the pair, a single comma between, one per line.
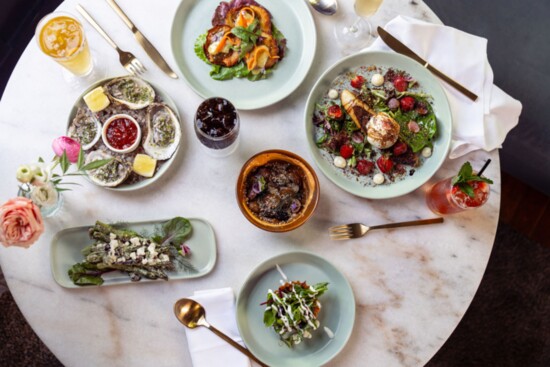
(45,196)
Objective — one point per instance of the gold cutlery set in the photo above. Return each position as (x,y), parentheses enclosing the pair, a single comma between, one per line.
(131,63)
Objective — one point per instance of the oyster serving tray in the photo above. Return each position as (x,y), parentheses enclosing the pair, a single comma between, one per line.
(165,98)
(67,244)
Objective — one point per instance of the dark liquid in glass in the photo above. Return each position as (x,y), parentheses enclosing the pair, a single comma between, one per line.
(217,118)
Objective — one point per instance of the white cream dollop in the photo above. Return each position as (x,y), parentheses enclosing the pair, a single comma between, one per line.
(427,152)
(333,94)
(377,80)
(378,179)
(340,162)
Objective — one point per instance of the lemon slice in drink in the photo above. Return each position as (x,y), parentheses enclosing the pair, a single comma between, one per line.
(144,165)
(97,100)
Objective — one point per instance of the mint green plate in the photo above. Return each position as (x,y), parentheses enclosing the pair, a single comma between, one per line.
(337,311)
(442,142)
(67,244)
(165,98)
(292,17)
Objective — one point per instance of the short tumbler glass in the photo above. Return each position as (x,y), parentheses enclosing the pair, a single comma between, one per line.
(217,125)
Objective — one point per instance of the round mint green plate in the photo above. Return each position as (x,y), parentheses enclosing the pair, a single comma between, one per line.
(337,311)
(441,144)
(165,98)
(293,19)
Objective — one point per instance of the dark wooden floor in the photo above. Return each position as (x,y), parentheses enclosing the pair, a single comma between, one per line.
(525,209)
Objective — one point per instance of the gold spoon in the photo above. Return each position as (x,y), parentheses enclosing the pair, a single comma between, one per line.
(191,314)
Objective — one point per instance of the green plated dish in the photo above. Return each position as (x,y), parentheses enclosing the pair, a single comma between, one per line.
(67,244)
(337,311)
(440,105)
(165,166)
(292,18)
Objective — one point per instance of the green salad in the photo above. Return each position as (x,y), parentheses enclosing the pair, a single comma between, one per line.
(293,310)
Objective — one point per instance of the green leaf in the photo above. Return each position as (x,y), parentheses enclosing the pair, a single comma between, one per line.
(96,164)
(269,317)
(467,189)
(465,176)
(64,162)
(176,231)
(277,34)
(40,160)
(199,47)
(80,161)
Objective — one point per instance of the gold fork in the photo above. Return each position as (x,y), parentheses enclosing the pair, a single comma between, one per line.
(127,59)
(356,230)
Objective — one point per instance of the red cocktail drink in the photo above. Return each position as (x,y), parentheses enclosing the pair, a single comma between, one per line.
(446,198)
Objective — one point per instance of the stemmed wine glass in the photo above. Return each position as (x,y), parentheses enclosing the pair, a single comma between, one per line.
(355,34)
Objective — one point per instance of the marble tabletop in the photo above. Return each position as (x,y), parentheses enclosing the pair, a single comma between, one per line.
(412,285)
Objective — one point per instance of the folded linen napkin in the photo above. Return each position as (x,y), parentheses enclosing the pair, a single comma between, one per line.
(483,124)
(206,348)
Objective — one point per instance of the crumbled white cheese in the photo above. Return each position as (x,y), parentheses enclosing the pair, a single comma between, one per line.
(427,152)
(114,244)
(377,80)
(164,257)
(144,261)
(151,247)
(333,94)
(135,241)
(112,236)
(141,251)
(378,179)
(121,259)
(133,256)
(340,162)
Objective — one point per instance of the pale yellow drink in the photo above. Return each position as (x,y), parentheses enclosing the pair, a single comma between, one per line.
(62,38)
(366,8)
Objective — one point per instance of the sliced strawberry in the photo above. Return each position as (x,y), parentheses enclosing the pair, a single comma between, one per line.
(357,82)
(399,148)
(407,103)
(384,163)
(400,84)
(335,112)
(364,167)
(346,151)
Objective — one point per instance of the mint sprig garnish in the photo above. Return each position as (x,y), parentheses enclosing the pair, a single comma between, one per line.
(465,176)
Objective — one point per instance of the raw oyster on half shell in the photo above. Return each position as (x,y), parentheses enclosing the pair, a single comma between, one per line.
(163,132)
(131,91)
(85,128)
(110,175)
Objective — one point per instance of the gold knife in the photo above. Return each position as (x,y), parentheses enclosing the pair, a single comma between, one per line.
(144,42)
(399,47)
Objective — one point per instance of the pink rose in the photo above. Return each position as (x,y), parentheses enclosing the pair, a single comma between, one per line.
(20,222)
(69,145)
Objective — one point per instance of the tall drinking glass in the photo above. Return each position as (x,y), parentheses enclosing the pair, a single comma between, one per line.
(355,32)
(61,37)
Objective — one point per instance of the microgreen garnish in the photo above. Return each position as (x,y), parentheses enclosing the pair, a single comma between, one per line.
(465,176)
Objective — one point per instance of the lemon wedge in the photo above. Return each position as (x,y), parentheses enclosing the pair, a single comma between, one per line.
(144,165)
(97,100)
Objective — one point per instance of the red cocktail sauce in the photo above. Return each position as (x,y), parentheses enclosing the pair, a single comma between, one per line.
(122,133)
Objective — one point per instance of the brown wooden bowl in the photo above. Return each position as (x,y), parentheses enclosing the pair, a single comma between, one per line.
(311,181)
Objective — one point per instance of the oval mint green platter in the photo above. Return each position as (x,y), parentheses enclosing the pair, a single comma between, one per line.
(441,142)
(292,18)
(337,311)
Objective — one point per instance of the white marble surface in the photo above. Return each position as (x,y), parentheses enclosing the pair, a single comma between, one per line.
(412,285)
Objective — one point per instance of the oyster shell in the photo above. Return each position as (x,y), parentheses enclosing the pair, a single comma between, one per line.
(110,175)
(85,128)
(131,91)
(163,132)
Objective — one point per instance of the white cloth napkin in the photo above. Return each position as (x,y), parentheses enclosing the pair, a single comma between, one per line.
(483,124)
(206,348)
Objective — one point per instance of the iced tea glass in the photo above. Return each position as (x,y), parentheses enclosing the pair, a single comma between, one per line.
(445,198)
(61,37)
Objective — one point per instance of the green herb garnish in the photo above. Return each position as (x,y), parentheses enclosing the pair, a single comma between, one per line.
(465,176)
